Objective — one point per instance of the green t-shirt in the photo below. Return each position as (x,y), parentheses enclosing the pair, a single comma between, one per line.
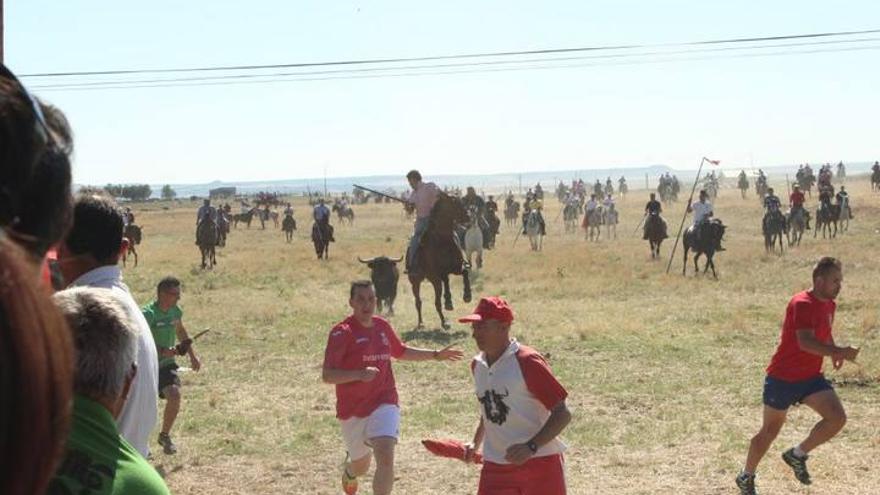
(163,326)
(98,461)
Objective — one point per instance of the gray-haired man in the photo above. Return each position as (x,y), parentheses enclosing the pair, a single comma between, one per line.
(98,459)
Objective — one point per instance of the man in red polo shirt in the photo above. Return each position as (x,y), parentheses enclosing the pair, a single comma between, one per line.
(522,409)
(358,361)
(795,375)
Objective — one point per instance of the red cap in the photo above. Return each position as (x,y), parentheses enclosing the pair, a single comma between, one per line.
(490,308)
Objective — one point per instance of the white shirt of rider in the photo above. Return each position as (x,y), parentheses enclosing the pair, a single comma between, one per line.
(701,211)
(592,204)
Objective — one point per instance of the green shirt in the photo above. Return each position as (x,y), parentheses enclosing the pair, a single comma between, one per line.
(98,461)
(164,328)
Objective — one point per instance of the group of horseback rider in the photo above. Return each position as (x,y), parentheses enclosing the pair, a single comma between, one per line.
(486,216)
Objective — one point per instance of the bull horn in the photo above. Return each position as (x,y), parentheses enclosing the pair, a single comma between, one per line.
(365,261)
(397,260)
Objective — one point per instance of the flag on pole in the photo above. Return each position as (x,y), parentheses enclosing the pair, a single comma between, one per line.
(714,162)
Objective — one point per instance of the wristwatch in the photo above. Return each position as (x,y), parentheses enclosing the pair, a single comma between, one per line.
(532,446)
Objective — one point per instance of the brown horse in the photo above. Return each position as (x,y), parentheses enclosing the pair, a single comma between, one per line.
(655,232)
(439,256)
(322,236)
(207,236)
(134,235)
(707,242)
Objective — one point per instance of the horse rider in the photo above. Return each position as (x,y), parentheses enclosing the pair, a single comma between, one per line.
(796,202)
(127,217)
(492,214)
(288,210)
(621,182)
(843,202)
(702,211)
(597,188)
(653,208)
(533,203)
(423,197)
(772,206)
(608,202)
(206,212)
(539,191)
(876,167)
(321,214)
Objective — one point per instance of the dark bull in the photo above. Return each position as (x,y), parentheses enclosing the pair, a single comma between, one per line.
(384,274)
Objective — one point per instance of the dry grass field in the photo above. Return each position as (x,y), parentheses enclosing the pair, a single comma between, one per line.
(664,372)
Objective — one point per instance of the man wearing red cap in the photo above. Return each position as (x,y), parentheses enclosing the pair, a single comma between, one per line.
(522,409)
(358,361)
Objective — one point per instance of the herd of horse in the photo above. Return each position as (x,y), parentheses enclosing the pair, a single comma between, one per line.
(454,241)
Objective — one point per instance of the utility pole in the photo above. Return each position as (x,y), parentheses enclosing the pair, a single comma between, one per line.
(1,32)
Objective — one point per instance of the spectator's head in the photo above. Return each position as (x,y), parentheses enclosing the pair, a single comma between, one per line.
(769,190)
(703,195)
(206,202)
(168,292)
(653,196)
(36,377)
(106,343)
(95,238)
(35,146)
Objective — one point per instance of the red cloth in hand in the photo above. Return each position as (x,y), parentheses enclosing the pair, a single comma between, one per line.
(450,448)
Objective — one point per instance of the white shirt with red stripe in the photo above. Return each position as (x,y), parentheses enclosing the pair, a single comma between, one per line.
(516,395)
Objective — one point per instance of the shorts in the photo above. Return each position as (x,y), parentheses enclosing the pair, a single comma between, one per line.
(168,376)
(384,421)
(538,476)
(781,395)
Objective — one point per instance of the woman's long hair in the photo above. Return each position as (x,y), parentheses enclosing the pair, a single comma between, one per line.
(36,376)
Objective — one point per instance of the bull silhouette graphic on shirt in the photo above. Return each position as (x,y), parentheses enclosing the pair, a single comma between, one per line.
(493,404)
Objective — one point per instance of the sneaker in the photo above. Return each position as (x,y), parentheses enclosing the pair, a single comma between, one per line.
(798,465)
(167,445)
(349,482)
(746,484)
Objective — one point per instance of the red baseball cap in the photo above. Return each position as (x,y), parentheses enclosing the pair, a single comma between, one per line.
(490,308)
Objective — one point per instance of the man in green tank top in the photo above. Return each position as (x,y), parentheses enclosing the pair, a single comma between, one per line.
(166,323)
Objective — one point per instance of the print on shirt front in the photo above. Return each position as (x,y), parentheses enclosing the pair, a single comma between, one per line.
(516,394)
(494,406)
(351,346)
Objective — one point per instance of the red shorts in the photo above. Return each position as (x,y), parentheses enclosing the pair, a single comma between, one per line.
(538,476)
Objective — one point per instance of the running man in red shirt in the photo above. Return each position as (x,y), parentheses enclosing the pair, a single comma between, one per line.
(795,375)
(522,409)
(358,361)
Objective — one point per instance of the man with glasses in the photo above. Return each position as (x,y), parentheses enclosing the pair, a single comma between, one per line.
(165,320)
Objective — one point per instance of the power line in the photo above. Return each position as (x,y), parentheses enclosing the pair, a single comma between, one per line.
(457,72)
(443,66)
(448,57)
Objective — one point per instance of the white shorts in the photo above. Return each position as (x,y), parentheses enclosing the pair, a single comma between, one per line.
(357,432)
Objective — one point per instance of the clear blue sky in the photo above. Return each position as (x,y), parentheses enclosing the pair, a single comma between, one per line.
(773,110)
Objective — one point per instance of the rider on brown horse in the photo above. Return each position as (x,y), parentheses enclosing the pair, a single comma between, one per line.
(423,197)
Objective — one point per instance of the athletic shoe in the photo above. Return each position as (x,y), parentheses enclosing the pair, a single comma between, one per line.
(798,465)
(746,484)
(167,445)
(349,482)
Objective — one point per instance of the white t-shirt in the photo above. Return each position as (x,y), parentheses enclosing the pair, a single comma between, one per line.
(701,211)
(515,394)
(139,414)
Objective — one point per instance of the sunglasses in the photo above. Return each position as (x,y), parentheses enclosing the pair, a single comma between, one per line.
(40,126)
